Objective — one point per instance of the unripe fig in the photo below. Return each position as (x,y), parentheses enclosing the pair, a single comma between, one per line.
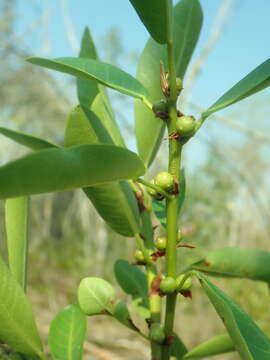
(160,106)
(157,333)
(161,242)
(138,255)
(187,284)
(164,180)
(179,84)
(185,126)
(168,285)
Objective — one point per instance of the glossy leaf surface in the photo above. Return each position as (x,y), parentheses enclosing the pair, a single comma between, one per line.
(67,334)
(153,14)
(133,281)
(65,169)
(95,296)
(103,73)
(220,344)
(235,262)
(115,202)
(30,141)
(187,25)
(16,218)
(248,339)
(18,328)
(255,81)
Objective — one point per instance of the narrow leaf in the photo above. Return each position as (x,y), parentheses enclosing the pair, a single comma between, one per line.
(65,169)
(67,334)
(87,90)
(30,141)
(153,14)
(96,296)
(16,216)
(178,348)
(235,262)
(121,313)
(115,202)
(18,328)
(186,30)
(133,281)
(105,74)
(220,344)
(255,81)
(248,339)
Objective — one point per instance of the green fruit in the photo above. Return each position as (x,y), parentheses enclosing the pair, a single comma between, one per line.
(187,284)
(157,333)
(160,106)
(168,285)
(138,255)
(165,181)
(179,84)
(185,126)
(161,242)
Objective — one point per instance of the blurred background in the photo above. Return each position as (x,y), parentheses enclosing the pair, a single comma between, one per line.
(227,165)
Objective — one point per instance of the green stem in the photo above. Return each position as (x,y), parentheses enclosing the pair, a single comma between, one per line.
(175,148)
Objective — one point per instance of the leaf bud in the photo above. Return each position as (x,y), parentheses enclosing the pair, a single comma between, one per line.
(165,181)
(185,126)
(157,333)
(168,285)
(161,242)
(187,284)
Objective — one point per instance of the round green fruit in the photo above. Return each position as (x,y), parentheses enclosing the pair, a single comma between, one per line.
(185,126)
(160,106)
(161,242)
(138,255)
(165,181)
(168,285)
(157,333)
(179,84)
(187,284)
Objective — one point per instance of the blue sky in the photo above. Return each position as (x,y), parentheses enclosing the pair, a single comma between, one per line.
(243,45)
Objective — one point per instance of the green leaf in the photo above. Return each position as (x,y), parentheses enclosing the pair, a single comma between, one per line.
(67,334)
(93,95)
(87,90)
(178,348)
(235,262)
(101,107)
(255,81)
(115,202)
(18,328)
(96,296)
(159,207)
(65,169)
(248,339)
(16,216)
(30,141)
(153,14)
(220,344)
(121,313)
(133,281)
(187,25)
(105,74)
